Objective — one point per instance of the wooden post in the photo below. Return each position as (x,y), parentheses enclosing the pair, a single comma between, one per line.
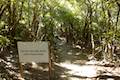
(21,70)
(49,71)
(50,62)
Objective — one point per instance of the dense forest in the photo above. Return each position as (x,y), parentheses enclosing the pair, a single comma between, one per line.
(89,26)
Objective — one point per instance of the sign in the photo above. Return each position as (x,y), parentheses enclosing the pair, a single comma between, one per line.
(33,51)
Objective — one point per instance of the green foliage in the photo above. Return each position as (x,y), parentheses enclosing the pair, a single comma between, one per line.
(4,41)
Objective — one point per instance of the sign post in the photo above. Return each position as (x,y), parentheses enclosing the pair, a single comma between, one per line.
(50,62)
(21,70)
(36,52)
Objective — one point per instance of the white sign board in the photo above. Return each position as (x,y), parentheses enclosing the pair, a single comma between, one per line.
(33,51)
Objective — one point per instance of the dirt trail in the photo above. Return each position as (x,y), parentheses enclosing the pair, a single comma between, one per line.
(73,65)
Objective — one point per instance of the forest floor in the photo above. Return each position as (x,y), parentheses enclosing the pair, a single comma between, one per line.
(74,65)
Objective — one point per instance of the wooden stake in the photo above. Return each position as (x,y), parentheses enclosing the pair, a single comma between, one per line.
(21,70)
(50,62)
(49,71)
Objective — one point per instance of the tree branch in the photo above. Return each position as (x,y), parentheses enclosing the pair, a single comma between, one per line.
(118,4)
(2,9)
